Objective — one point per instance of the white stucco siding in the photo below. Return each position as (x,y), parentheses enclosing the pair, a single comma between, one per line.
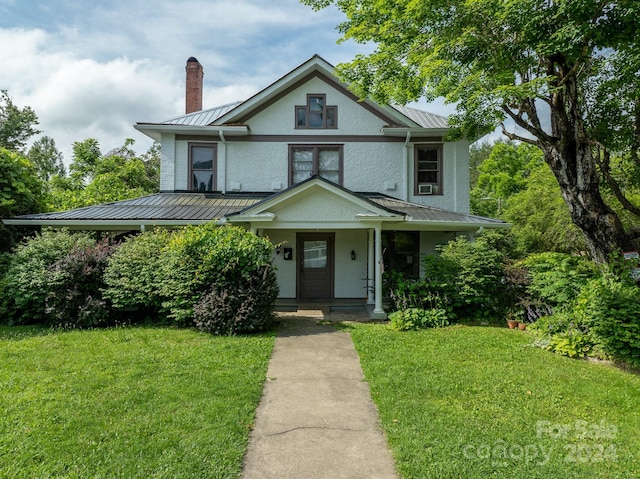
(257,166)
(285,269)
(279,118)
(429,241)
(167,162)
(455,179)
(374,166)
(350,275)
(182,165)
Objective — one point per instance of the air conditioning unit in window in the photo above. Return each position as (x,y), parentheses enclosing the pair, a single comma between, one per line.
(425,189)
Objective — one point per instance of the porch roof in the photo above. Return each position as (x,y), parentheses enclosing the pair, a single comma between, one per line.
(182,208)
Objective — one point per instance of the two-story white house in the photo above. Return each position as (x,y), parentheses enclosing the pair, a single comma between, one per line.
(346,187)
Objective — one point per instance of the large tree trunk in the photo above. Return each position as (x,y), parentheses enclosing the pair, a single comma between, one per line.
(579,184)
(568,152)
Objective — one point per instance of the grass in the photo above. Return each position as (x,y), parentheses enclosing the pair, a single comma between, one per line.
(127,402)
(479,402)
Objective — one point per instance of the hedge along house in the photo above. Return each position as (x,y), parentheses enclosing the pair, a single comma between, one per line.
(346,187)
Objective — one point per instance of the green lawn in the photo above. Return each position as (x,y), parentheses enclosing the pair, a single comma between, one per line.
(127,402)
(474,402)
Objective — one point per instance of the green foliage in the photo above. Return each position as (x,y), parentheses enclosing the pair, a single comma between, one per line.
(556,278)
(29,276)
(201,258)
(611,309)
(412,319)
(540,217)
(239,309)
(74,298)
(566,334)
(479,276)
(133,276)
(16,125)
(96,179)
(504,173)
(20,193)
(46,158)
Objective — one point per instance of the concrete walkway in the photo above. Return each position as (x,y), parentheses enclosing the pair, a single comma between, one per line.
(316,418)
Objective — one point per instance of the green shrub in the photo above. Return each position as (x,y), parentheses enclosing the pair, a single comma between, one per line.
(26,282)
(133,276)
(74,292)
(556,278)
(415,318)
(567,334)
(205,258)
(611,308)
(478,284)
(239,309)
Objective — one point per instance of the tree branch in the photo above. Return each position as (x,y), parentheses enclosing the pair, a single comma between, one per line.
(602,157)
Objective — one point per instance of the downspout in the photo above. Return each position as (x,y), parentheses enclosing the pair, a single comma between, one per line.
(224,161)
(408,165)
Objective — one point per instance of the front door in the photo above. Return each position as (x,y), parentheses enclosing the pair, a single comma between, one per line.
(315,265)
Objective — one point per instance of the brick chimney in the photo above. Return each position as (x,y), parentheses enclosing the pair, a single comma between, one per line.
(195,73)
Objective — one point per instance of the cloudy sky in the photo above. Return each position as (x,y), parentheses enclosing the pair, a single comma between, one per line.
(91,69)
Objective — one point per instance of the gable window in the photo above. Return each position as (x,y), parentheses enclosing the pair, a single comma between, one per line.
(428,170)
(316,113)
(202,167)
(308,160)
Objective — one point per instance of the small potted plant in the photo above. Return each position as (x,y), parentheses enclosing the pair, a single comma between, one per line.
(512,320)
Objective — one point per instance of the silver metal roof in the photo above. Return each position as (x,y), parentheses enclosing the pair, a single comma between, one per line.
(423,213)
(159,206)
(183,208)
(423,118)
(202,117)
(209,116)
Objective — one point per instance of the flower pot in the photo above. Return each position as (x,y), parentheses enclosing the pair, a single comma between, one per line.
(512,323)
(522,326)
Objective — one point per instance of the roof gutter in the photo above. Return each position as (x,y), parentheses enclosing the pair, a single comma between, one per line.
(155,130)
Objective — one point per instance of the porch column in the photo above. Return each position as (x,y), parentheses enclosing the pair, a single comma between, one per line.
(378,312)
(370,267)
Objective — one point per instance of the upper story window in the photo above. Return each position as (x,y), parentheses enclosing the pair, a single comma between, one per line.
(428,170)
(308,160)
(202,166)
(316,113)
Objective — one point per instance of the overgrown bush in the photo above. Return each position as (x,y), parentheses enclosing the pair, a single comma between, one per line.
(74,291)
(479,279)
(412,319)
(202,259)
(133,276)
(610,306)
(26,284)
(241,308)
(567,334)
(557,278)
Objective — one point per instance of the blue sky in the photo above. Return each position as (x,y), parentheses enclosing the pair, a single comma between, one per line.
(91,69)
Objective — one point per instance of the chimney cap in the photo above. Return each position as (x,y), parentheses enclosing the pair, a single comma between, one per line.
(192,60)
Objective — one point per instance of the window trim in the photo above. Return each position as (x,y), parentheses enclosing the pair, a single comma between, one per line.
(316,158)
(307,108)
(214,166)
(390,255)
(430,146)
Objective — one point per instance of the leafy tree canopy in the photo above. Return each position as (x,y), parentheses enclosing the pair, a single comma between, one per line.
(46,158)
(16,125)
(565,72)
(96,178)
(20,193)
